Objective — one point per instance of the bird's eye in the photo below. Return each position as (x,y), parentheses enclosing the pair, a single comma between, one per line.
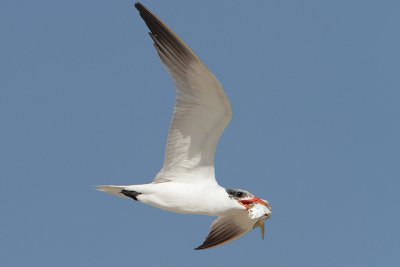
(239,194)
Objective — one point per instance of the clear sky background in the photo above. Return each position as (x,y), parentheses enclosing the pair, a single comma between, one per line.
(84,100)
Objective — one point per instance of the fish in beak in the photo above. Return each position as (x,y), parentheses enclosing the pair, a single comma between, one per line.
(258,209)
(261,224)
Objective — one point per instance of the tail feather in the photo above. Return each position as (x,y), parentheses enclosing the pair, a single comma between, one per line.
(115,190)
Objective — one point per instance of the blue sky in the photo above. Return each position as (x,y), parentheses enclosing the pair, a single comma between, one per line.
(84,100)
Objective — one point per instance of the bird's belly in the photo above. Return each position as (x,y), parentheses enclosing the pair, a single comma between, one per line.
(188,199)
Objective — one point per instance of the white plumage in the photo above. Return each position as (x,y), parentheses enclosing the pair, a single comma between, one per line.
(186,182)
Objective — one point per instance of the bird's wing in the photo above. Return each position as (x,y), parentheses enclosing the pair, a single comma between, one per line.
(202,110)
(226,229)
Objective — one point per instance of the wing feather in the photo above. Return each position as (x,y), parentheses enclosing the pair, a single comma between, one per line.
(226,229)
(202,110)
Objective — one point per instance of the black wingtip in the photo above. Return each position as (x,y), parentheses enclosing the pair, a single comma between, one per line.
(140,7)
(201,247)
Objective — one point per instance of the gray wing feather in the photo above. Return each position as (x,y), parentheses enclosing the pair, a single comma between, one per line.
(202,110)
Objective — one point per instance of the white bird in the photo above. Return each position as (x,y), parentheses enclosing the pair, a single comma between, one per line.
(186,183)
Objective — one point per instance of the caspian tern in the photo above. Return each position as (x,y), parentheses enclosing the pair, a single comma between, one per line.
(186,183)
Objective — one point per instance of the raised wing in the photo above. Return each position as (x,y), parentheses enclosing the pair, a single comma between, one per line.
(226,229)
(202,110)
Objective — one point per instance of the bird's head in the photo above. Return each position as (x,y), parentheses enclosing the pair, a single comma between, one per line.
(259,209)
(248,200)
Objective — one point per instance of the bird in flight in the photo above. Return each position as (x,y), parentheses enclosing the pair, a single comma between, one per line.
(186,182)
